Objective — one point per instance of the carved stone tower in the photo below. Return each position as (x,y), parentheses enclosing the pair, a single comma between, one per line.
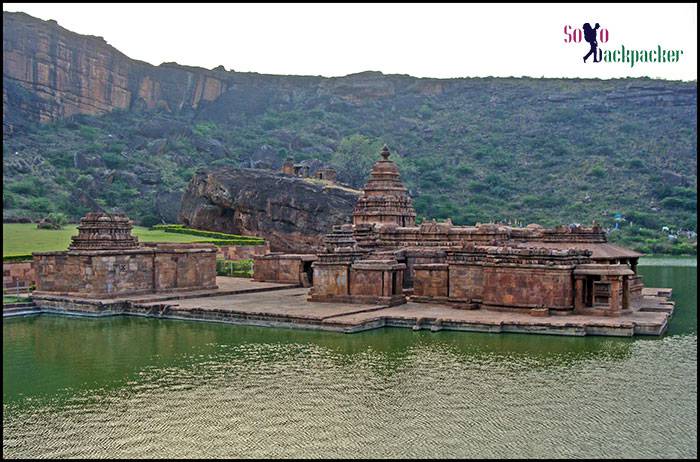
(104,231)
(385,200)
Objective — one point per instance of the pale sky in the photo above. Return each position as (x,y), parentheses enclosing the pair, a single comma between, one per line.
(435,40)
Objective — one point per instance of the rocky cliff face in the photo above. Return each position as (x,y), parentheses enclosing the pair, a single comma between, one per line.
(293,214)
(51,73)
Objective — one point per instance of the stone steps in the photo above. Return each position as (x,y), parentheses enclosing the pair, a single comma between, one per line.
(19,309)
(657,292)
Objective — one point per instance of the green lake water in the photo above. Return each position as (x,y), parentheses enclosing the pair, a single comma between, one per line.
(135,387)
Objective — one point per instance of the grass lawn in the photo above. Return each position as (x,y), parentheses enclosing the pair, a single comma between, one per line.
(25,238)
(13,299)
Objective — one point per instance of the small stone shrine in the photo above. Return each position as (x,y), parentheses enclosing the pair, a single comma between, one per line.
(100,231)
(104,261)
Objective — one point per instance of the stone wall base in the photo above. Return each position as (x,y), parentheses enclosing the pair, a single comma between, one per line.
(525,309)
(363,299)
(104,295)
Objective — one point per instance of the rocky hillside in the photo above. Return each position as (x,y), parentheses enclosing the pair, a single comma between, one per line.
(85,126)
(293,214)
(50,73)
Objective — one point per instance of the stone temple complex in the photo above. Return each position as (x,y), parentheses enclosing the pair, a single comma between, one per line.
(383,257)
(378,269)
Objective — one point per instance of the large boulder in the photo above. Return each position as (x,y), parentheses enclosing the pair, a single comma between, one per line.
(293,214)
(167,205)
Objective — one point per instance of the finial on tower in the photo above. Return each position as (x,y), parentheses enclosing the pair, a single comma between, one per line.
(385,152)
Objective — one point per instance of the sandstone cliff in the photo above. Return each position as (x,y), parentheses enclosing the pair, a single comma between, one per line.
(293,214)
(50,73)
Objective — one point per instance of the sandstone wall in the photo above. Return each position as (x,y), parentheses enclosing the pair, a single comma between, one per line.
(431,280)
(528,287)
(242,252)
(175,270)
(636,285)
(367,283)
(466,281)
(331,280)
(415,257)
(160,268)
(18,274)
(290,269)
(51,73)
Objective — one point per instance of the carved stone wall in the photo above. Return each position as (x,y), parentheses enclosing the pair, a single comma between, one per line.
(110,273)
(284,268)
(18,274)
(431,282)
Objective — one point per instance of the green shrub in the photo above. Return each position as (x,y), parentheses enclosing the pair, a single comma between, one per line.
(598,171)
(679,203)
(425,112)
(234,268)
(28,187)
(40,204)
(477,186)
(10,258)
(62,159)
(687,193)
(9,200)
(116,148)
(88,132)
(221,238)
(58,219)
(464,169)
(684,248)
(166,227)
(150,221)
(113,160)
(648,220)
(205,128)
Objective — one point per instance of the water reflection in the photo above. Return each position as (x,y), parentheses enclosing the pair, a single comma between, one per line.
(683,280)
(84,352)
(134,387)
(80,352)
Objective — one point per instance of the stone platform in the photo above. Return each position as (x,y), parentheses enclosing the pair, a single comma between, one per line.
(246,302)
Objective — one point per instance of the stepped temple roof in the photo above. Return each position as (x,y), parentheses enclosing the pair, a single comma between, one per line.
(104,231)
(385,199)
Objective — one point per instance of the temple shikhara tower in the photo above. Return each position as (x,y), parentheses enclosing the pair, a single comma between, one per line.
(385,200)
(383,257)
(101,231)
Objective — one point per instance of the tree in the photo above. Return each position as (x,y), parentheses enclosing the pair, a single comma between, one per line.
(53,220)
(354,159)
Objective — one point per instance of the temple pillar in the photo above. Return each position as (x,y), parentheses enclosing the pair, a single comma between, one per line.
(615,300)
(579,302)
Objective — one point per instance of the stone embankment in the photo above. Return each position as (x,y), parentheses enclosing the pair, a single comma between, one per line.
(245,302)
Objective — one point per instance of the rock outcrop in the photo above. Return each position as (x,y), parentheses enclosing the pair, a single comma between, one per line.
(293,214)
(50,73)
